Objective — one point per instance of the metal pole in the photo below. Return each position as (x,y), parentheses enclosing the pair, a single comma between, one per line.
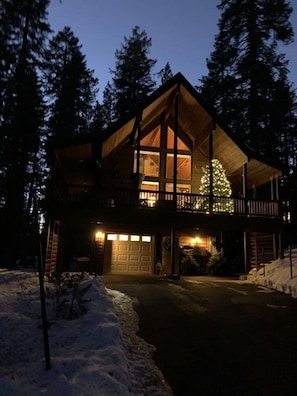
(291,266)
(41,290)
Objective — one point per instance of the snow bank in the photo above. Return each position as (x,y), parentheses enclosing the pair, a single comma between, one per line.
(277,275)
(97,353)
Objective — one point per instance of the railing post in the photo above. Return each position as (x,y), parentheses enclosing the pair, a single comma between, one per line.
(244,188)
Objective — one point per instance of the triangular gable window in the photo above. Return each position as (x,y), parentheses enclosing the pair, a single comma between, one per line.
(170,141)
(152,139)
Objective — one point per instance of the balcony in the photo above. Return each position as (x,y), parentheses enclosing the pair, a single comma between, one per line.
(110,199)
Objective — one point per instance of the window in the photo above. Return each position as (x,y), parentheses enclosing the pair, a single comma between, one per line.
(123,237)
(170,141)
(111,237)
(180,188)
(183,166)
(149,163)
(146,238)
(135,238)
(152,139)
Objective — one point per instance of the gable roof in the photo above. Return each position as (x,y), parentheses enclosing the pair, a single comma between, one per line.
(197,121)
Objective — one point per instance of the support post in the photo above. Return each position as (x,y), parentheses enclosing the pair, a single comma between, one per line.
(138,138)
(176,109)
(210,168)
(245,256)
(173,256)
(244,188)
(280,240)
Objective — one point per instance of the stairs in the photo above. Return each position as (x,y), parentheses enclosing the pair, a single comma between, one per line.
(53,247)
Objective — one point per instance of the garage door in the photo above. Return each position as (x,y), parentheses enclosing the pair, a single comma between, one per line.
(132,254)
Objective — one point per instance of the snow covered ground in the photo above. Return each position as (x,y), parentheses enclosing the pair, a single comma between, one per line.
(279,275)
(97,352)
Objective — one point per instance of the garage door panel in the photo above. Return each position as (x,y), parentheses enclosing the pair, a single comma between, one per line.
(133,268)
(145,268)
(133,257)
(119,268)
(146,248)
(134,247)
(122,247)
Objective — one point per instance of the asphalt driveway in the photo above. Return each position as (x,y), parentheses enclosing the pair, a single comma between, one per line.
(217,336)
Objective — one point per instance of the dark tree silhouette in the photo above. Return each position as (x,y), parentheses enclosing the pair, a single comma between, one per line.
(70,87)
(23,29)
(248,76)
(132,78)
(165,74)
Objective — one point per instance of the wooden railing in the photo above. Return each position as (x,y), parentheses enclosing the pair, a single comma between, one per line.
(182,202)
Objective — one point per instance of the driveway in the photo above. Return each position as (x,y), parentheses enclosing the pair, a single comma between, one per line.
(217,336)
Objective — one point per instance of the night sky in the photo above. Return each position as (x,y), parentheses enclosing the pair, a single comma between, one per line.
(182,32)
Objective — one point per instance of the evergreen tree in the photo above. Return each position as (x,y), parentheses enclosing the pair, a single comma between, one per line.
(108,107)
(97,123)
(23,31)
(220,187)
(246,72)
(70,87)
(132,78)
(165,74)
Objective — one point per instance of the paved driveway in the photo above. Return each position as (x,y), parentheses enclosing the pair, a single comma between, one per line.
(217,336)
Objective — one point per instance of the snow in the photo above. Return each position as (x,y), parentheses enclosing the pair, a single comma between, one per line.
(279,275)
(97,351)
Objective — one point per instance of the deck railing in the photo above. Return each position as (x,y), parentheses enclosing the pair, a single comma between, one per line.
(181,202)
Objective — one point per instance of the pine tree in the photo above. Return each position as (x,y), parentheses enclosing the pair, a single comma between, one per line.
(23,32)
(70,87)
(108,107)
(246,70)
(132,78)
(220,187)
(165,74)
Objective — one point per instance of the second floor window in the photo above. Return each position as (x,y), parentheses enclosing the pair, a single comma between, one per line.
(149,163)
(183,166)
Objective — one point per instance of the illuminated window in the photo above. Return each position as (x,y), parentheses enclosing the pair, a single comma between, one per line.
(183,166)
(146,238)
(149,163)
(135,238)
(180,188)
(170,141)
(123,237)
(111,237)
(150,185)
(152,139)
(148,197)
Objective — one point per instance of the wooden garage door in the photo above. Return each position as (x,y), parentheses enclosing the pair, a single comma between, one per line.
(132,254)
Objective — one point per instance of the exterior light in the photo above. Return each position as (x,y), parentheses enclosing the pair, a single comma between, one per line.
(99,236)
(196,240)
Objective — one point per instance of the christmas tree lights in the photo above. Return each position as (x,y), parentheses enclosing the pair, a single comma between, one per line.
(221,188)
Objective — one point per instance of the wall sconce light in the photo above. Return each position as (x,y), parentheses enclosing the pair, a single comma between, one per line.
(99,236)
(196,240)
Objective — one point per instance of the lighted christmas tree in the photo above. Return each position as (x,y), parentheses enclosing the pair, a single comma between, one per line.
(220,187)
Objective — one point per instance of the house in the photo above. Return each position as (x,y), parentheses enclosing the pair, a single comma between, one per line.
(131,196)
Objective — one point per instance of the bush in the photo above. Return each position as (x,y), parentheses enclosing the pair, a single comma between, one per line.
(189,265)
(217,265)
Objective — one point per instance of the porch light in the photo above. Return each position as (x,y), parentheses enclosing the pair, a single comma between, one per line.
(99,236)
(196,240)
